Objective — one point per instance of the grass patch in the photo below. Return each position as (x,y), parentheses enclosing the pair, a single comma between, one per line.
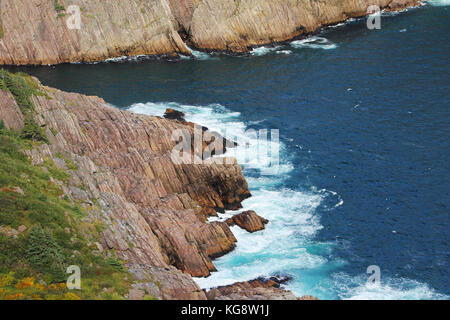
(23,87)
(58,7)
(33,264)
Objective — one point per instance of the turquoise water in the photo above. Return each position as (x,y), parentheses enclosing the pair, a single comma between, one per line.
(363,118)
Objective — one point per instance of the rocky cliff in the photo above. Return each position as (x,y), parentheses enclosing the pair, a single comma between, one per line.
(36,32)
(116,166)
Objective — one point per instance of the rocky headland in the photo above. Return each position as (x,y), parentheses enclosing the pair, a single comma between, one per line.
(117,169)
(36,31)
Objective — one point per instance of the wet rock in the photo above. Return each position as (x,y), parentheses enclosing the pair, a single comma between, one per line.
(248,220)
(174,115)
(257,289)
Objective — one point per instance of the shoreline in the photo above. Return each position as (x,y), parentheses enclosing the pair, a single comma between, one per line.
(177,55)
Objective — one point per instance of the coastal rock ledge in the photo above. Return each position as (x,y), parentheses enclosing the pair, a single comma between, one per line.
(258,289)
(119,171)
(36,31)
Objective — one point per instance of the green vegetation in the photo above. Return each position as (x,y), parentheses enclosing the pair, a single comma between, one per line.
(23,87)
(56,235)
(42,232)
(44,254)
(58,7)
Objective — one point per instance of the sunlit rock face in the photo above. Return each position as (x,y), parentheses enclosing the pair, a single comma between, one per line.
(38,32)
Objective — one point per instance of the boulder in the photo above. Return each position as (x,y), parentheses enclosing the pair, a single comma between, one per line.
(248,220)
(258,289)
(174,115)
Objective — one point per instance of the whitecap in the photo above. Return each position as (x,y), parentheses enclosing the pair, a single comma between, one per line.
(284,247)
(314,42)
(357,288)
(439,3)
(284,52)
(198,55)
(261,51)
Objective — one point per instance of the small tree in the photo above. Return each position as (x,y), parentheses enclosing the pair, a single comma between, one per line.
(44,254)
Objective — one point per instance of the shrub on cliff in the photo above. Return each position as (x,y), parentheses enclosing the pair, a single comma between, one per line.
(58,7)
(23,87)
(31,130)
(45,255)
(56,234)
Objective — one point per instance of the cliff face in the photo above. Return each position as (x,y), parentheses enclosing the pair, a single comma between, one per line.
(122,174)
(236,25)
(35,31)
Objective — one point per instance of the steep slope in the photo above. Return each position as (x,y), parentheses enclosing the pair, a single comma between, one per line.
(115,167)
(36,32)
(236,25)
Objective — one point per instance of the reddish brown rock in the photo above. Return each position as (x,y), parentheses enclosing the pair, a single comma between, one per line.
(258,289)
(34,32)
(9,111)
(248,220)
(154,210)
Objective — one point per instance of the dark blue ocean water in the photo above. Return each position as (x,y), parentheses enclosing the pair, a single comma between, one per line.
(364,129)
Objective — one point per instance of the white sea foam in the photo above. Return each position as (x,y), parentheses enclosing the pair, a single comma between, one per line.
(356,288)
(314,42)
(284,52)
(439,3)
(128,58)
(261,51)
(198,55)
(284,246)
(277,249)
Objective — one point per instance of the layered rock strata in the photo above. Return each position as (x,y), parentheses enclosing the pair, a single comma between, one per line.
(38,32)
(153,209)
(258,289)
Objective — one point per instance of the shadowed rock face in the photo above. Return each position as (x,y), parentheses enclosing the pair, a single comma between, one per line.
(154,210)
(34,32)
(174,114)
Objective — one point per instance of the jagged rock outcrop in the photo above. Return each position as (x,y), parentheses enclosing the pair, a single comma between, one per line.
(174,114)
(36,32)
(258,289)
(248,220)
(122,173)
